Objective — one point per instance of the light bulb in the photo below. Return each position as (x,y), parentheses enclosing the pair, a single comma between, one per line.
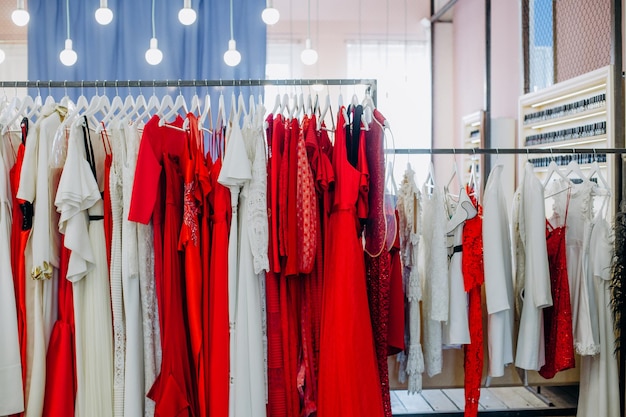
(187,15)
(68,56)
(2,56)
(104,15)
(20,16)
(270,15)
(232,57)
(154,56)
(308,55)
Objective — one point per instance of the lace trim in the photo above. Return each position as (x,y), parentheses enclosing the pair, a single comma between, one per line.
(587,350)
(258,228)
(191,211)
(415,368)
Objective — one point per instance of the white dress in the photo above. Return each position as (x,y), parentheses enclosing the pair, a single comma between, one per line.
(117,302)
(37,185)
(599,379)
(80,203)
(529,226)
(435,278)
(410,216)
(11,392)
(138,256)
(456,329)
(247,389)
(134,387)
(498,274)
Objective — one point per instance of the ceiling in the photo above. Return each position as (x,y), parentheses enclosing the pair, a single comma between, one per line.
(8,31)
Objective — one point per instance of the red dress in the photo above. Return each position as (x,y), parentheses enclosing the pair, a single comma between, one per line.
(557,319)
(473,277)
(158,196)
(348,383)
(218,321)
(20,231)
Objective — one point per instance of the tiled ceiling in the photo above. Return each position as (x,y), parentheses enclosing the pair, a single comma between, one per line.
(9,32)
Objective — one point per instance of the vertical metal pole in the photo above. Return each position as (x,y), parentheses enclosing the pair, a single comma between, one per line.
(432,76)
(618,132)
(487,82)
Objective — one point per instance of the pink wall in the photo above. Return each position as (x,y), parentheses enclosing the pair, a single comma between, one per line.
(506,58)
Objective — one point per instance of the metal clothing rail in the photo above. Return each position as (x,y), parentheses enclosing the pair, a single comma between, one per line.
(504,151)
(185,83)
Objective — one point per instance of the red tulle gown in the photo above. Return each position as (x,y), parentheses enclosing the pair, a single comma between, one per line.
(349,384)
(473,277)
(557,319)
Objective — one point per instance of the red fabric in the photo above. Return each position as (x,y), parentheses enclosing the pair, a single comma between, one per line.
(395,336)
(283,184)
(218,353)
(60,395)
(291,235)
(349,384)
(557,319)
(189,244)
(174,390)
(108,211)
(19,238)
(306,209)
(473,277)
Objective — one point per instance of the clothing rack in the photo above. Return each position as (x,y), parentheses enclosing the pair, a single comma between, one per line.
(370,83)
(503,151)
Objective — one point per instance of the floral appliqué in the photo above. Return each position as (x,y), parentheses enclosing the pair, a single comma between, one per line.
(191,211)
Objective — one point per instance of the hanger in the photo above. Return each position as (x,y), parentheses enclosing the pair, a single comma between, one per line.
(241,106)
(323,114)
(116,106)
(595,170)
(24,109)
(166,104)
(309,105)
(574,168)
(553,168)
(276,104)
(455,174)
(206,113)
(430,179)
(81,106)
(221,111)
(129,105)
(175,108)
(14,106)
(284,106)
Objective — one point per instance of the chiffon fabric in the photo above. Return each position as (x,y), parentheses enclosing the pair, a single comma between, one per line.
(345,296)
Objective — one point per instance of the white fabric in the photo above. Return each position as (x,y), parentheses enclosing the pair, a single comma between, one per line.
(435,278)
(247,382)
(78,197)
(599,379)
(456,329)
(11,392)
(134,385)
(530,225)
(410,216)
(498,274)
(138,256)
(37,185)
(117,302)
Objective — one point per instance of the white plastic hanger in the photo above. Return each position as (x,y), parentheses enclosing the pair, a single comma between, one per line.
(284,106)
(128,106)
(152,106)
(553,168)
(206,114)
(276,104)
(179,105)
(430,179)
(24,109)
(594,169)
(167,103)
(574,168)
(116,106)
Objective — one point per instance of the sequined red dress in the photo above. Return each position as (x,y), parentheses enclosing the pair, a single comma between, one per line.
(557,319)
(349,384)
(473,277)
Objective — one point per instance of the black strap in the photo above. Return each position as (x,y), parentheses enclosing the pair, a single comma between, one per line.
(89,147)
(24,126)
(353,135)
(457,249)
(94,218)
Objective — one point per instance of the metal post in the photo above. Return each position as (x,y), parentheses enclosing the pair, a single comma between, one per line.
(487,124)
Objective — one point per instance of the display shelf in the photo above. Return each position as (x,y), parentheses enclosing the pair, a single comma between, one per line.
(577,113)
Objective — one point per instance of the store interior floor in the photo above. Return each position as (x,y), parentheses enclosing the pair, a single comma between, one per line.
(500,402)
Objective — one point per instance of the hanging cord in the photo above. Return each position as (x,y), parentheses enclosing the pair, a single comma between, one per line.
(308,30)
(67,16)
(232,35)
(153,22)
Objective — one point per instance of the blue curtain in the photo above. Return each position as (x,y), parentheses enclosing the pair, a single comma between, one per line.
(116,51)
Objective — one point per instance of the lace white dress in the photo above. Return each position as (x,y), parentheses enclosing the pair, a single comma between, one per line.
(139,290)
(410,215)
(498,274)
(247,390)
(81,207)
(599,379)
(11,392)
(119,332)
(435,278)
(529,229)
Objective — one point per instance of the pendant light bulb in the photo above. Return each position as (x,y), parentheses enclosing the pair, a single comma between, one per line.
(68,56)
(20,15)
(2,56)
(187,16)
(270,15)
(104,15)
(232,57)
(154,56)
(308,55)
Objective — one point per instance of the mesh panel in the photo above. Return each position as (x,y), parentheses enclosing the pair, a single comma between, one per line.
(564,39)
